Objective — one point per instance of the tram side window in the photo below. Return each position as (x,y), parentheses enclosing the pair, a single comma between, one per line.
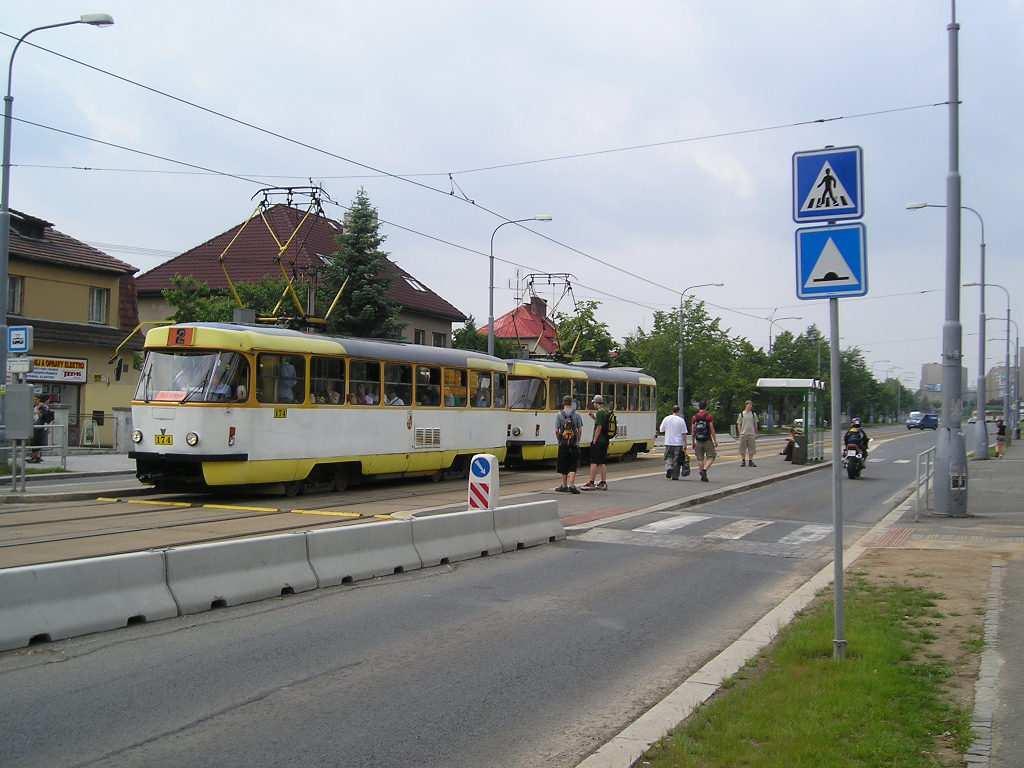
(455,388)
(621,397)
(499,390)
(397,384)
(281,379)
(634,395)
(428,386)
(327,380)
(594,388)
(526,393)
(364,382)
(645,397)
(558,388)
(480,387)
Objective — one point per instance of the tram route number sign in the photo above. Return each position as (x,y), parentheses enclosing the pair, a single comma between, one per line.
(483,481)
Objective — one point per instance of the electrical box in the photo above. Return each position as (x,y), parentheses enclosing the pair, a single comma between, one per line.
(18,411)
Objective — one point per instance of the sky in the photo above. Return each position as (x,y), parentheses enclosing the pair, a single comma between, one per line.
(409,88)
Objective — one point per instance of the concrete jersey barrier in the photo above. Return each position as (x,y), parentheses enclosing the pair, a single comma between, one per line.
(76,597)
(361,551)
(205,576)
(455,536)
(527,525)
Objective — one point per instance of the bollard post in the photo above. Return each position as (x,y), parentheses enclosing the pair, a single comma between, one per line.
(483,481)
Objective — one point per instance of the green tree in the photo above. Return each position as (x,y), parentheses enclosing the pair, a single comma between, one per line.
(581,336)
(194,301)
(469,337)
(364,308)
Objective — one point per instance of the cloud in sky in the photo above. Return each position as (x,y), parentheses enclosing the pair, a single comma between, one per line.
(434,87)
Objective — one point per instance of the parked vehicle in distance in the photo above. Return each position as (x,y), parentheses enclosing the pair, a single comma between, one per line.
(927,421)
(913,419)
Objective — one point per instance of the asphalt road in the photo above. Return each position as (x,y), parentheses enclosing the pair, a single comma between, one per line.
(531,658)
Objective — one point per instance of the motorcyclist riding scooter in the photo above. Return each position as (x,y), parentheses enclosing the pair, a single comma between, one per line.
(856,437)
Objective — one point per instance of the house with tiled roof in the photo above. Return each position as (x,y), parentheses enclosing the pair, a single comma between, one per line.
(81,305)
(528,327)
(426,317)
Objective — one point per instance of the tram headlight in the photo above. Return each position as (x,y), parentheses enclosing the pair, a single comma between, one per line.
(137,436)
(516,431)
(192,439)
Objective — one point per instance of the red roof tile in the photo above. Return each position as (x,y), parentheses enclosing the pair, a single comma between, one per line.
(37,240)
(252,255)
(527,322)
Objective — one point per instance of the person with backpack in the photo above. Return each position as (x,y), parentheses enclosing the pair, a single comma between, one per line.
(568,430)
(705,441)
(605,428)
(41,416)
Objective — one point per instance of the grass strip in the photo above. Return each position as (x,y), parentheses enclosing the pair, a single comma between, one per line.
(794,707)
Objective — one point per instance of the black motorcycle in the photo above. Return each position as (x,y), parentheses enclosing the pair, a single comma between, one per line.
(853,460)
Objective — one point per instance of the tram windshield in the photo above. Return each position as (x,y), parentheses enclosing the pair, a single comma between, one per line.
(194,377)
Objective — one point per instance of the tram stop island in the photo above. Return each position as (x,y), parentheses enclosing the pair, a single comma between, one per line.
(809,445)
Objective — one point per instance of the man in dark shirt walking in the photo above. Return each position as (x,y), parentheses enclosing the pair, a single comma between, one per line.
(568,430)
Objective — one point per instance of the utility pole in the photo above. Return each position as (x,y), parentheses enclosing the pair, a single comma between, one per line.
(951,452)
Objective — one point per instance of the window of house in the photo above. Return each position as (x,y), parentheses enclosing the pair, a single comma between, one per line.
(15,294)
(499,390)
(99,305)
(327,380)
(419,336)
(428,385)
(455,388)
(364,382)
(480,386)
(440,339)
(281,379)
(415,284)
(397,384)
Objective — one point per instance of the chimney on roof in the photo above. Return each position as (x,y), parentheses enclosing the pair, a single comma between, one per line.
(538,307)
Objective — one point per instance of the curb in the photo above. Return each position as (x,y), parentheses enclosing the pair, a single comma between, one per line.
(624,749)
(32,498)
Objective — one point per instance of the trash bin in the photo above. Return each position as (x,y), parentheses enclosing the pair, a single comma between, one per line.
(800,449)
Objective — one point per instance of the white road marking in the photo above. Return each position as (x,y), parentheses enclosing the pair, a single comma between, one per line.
(875,461)
(902,461)
(806,534)
(737,530)
(670,524)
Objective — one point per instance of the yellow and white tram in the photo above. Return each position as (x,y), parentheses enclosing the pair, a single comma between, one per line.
(222,405)
(535,392)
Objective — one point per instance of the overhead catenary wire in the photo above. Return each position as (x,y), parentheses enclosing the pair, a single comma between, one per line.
(408,179)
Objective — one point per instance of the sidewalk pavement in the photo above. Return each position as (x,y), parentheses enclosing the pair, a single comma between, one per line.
(995,529)
(91,462)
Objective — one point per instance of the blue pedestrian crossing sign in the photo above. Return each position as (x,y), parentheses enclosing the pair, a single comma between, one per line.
(828,184)
(831,262)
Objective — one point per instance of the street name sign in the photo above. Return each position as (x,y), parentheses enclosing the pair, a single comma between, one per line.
(831,262)
(828,184)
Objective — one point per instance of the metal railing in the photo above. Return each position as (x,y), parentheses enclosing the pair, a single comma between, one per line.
(923,481)
(15,457)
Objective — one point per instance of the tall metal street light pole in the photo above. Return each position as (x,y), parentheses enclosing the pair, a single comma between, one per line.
(92,19)
(950,450)
(680,395)
(490,291)
(1006,389)
(771,324)
(981,433)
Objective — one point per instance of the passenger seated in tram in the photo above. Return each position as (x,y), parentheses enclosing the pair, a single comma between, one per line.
(287,378)
(393,398)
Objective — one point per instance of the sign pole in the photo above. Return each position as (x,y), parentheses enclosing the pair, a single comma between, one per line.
(839,643)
